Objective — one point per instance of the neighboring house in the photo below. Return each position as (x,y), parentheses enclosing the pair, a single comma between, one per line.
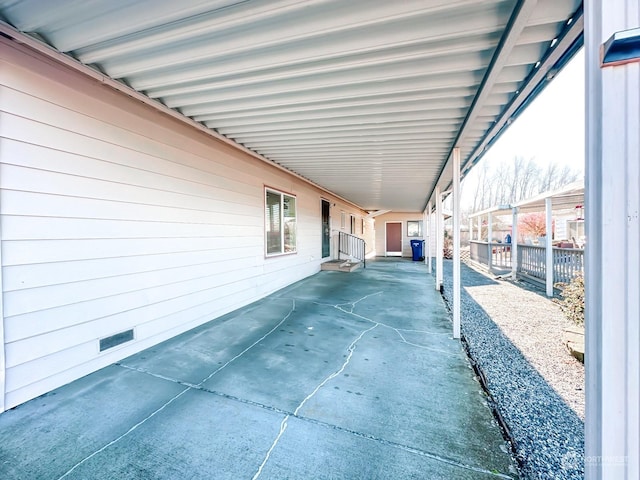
(122,227)
(569,229)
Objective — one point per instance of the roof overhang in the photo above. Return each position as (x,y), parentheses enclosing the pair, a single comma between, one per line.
(365,98)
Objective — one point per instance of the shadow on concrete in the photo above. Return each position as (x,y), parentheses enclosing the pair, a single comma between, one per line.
(337,376)
(547,435)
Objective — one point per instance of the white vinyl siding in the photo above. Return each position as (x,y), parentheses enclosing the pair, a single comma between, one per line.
(114,217)
(406,240)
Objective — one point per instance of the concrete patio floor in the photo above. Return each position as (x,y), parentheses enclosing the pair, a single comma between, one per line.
(339,376)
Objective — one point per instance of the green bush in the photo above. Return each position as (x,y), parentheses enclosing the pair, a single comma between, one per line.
(573,300)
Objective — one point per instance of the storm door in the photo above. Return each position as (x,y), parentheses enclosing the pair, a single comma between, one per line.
(326,230)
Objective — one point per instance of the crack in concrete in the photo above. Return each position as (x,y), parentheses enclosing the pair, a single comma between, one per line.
(331,426)
(406,448)
(116,440)
(156,375)
(397,330)
(431,349)
(285,420)
(286,317)
(175,397)
(295,413)
(208,390)
(353,304)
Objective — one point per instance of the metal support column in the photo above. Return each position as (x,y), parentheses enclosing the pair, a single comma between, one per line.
(456,241)
(3,364)
(429,236)
(612,276)
(489,237)
(514,243)
(548,243)
(439,239)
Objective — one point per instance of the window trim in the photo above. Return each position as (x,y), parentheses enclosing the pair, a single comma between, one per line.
(282,231)
(420,227)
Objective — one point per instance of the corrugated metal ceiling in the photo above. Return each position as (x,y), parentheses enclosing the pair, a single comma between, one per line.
(363,97)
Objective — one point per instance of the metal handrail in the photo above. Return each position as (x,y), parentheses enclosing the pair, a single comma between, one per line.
(353,246)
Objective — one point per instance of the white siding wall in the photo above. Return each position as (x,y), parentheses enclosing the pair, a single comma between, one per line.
(561,230)
(406,241)
(114,216)
(335,215)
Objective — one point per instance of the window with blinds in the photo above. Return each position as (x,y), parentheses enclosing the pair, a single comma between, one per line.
(280,223)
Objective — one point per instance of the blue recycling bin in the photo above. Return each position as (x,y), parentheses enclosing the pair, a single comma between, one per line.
(416,247)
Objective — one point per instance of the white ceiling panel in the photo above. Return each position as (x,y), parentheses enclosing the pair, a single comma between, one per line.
(366,98)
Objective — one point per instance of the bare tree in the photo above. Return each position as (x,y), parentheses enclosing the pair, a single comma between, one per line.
(516,179)
(483,187)
(549,177)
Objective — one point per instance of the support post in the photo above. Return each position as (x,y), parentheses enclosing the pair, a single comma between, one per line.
(456,241)
(514,243)
(480,228)
(548,241)
(429,236)
(439,239)
(612,276)
(489,237)
(424,236)
(3,365)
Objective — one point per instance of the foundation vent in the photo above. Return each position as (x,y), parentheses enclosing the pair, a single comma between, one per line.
(115,340)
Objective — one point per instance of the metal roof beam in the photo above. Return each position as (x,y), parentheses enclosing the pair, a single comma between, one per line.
(516,25)
(381,119)
(533,85)
(364,110)
(438,126)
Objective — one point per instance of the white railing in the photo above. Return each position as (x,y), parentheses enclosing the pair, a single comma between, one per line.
(532,263)
(478,252)
(500,253)
(567,262)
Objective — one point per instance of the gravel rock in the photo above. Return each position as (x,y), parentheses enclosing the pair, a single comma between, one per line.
(514,337)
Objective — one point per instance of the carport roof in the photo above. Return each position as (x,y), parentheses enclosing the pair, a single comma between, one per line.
(567,197)
(365,98)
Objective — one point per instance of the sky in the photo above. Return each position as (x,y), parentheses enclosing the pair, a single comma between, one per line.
(551,129)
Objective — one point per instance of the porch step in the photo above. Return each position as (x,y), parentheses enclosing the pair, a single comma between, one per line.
(341,265)
(574,340)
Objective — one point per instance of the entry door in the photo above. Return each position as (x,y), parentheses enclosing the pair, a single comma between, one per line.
(393,239)
(326,230)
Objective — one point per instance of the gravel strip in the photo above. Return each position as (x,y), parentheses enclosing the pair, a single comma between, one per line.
(513,335)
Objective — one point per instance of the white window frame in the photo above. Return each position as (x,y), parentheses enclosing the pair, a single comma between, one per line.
(282,194)
(419,234)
